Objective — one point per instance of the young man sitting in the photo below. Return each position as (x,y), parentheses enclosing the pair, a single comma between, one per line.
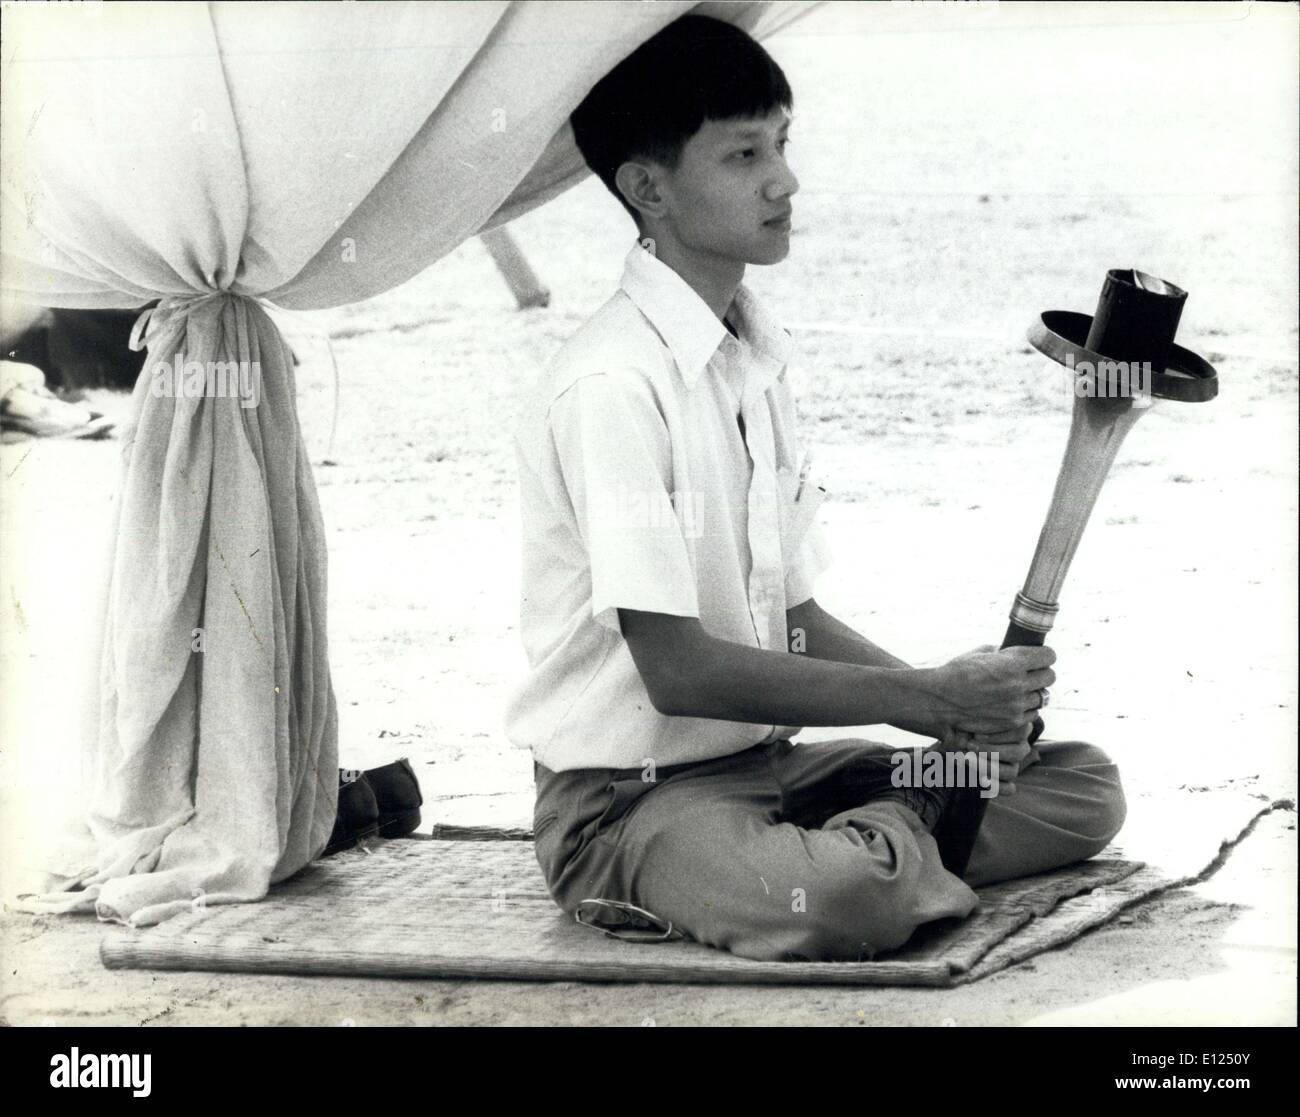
(665,570)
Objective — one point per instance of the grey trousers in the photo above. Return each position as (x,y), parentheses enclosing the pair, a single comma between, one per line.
(788,851)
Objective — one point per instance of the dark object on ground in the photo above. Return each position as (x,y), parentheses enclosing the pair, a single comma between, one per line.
(398,794)
(81,349)
(358,812)
(381,802)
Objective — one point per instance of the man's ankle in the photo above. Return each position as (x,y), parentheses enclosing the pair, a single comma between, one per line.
(927,803)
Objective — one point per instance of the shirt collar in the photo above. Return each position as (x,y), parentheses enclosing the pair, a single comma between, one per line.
(690,329)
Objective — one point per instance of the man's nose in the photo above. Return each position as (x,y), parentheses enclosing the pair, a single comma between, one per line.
(783,185)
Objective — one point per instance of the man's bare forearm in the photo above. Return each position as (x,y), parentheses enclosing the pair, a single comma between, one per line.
(719,679)
(814,632)
(688,672)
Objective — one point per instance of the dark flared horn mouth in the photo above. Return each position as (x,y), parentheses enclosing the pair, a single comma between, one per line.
(1136,318)
(1061,335)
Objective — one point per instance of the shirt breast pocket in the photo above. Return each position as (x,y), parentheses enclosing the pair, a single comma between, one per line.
(798,508)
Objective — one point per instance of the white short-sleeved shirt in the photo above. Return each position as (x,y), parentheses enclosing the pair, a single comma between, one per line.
(639,490)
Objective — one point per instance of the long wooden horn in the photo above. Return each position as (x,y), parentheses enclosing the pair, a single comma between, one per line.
(1123,358)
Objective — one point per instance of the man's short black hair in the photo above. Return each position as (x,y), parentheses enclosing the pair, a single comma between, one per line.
(658,97)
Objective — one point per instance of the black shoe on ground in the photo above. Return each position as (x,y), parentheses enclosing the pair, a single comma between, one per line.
(398,794)
(358,812)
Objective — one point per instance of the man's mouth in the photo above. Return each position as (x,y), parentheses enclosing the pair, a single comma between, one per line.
(781,221)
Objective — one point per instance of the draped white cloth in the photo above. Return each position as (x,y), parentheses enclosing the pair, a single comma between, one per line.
(214,156)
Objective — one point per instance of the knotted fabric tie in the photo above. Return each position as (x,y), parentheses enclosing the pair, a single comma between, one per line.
(172,313)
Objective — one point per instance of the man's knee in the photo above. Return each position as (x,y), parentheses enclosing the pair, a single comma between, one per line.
(1075,754)
(1111,810)
(1105,805)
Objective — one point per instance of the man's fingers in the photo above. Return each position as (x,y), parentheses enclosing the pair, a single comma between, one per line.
(1008,755)
(1017,691)
(1031,659)
(996,742)
(1014,736)
(1011,725)
(1013,754)
(1043,677)
(1007,773)
(1038,683)
(1036,729)
(1011,719)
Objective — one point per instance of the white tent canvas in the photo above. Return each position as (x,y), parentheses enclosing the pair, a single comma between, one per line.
(214,156)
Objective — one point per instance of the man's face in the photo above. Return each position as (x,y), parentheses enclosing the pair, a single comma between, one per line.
(730,193)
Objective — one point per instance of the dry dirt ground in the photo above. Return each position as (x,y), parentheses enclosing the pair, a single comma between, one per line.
(954,183)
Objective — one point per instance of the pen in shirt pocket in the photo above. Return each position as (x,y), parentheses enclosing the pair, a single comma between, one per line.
(804,470)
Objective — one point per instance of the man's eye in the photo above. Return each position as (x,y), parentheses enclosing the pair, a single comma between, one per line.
(746,154)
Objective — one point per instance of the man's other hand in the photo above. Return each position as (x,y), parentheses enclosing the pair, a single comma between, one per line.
(990,692)
(1011,752)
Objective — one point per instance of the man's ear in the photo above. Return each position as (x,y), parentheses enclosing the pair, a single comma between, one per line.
(637,182)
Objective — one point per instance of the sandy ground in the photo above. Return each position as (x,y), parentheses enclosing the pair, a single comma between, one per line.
(954,184)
